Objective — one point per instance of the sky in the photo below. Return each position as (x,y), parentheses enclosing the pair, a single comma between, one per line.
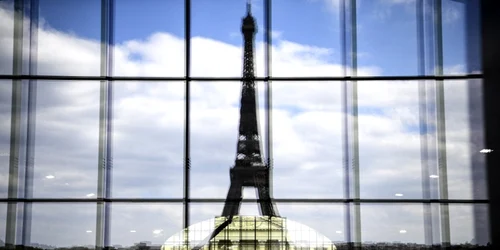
(306,116)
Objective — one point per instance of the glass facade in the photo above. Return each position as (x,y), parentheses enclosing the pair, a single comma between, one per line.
(119,124)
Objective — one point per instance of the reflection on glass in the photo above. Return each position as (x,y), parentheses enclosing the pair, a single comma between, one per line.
(325,219)
(387,37)
(306,46)
(7,36)
(66,139)
(3,221)
(464,139)
(460,37)
(199,212)
(149,38)
(63,225)
(250,232)
(143,224)
(307,140)
(217,41)
(215,115)
(148,139)
(65,46)
(401,223)
(469,224)
(389,141)
(247,231)
(5,116)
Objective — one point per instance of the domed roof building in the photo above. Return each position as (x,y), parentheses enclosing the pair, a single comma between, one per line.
(249,232)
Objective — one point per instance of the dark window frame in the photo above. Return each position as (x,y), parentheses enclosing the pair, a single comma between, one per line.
(490,62)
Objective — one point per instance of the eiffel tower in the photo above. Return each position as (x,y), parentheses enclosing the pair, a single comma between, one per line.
(249,169)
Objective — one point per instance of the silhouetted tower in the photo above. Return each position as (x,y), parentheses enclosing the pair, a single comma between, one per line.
(249,169)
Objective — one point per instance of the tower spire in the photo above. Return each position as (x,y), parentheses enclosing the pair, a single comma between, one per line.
(249,7)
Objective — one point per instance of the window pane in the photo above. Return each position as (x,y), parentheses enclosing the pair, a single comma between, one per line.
(217,41)
(148,139)
(63,225)
(202,222)
(397,224)
(465,146)
(461,37)
(203,211)
(7,36)
(469,224)
(149,224)
(215,115)
(315,220)
(307,140)
(389,140)
(3,221)
(66,139)
(5,115)
(65,45)
(395,145)
(149,38)
(387,37)
(305,38)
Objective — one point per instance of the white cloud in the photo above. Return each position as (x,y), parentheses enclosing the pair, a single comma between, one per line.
(149,126)
(452,13)
(333,5)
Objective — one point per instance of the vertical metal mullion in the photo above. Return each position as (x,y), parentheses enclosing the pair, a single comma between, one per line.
(424,159)
(345,126)
(441,127)
(355,127)
(101,215)
(31,124)
(476,120)
(109,121)
(187,159)
(432,138)
(15,129)
(268,93)
(490,51)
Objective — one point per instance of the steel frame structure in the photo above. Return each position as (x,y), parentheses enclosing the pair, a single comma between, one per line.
(489,57)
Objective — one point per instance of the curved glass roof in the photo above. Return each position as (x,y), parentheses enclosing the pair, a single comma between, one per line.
(249,232)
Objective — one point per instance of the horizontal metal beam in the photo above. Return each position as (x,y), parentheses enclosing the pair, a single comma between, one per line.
(211,79)
(216,200)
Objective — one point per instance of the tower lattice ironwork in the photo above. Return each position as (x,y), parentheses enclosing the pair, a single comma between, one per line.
(249,169)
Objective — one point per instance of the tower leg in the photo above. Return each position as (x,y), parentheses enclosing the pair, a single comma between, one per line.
(233,200)
(266,205)
(262,184)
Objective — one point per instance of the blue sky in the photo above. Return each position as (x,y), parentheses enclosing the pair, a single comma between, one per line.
(386,29)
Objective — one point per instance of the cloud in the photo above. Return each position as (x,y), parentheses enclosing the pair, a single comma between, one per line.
(333,4)
(450,11)
(149,137)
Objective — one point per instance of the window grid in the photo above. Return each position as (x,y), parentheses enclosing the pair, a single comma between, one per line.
(107,81)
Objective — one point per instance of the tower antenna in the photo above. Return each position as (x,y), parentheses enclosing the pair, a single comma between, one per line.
(249,7)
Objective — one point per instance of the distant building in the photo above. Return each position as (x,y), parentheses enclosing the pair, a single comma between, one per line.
(249,232)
